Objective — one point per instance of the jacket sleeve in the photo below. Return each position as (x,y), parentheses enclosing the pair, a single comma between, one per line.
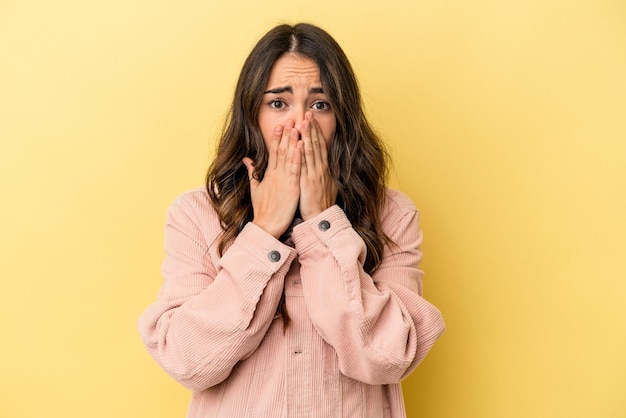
(379,325)
(208,317)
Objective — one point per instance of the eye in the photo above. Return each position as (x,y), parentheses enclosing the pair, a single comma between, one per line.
(277,104)
(320,105)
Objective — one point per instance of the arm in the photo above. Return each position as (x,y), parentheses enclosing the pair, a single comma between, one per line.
(379,325)
(208,317)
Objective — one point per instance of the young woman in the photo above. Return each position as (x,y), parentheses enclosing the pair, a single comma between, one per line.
(292,286)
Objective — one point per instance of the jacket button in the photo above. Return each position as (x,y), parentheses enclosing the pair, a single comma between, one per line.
(324,226)
(274,256)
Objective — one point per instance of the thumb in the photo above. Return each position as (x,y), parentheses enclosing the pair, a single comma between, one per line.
(250,167)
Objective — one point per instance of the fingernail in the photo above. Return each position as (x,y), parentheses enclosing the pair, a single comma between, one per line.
(289,124)
(278,129)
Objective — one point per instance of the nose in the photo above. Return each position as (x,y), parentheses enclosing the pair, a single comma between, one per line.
(298,117)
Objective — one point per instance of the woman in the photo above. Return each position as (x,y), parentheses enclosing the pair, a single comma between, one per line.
(292,286)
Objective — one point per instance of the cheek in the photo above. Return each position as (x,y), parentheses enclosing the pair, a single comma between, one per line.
(328,126)
(266,125)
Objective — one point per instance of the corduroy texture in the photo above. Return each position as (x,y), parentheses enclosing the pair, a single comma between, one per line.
(351,339)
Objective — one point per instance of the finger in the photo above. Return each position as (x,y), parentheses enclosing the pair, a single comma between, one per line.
(283,147)
(295,169)
(308,156)
(250,167)
(290,140)
(272,158)
(292,143)
(316,143)
(322,144)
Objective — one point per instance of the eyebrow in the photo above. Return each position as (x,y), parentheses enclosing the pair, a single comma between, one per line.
(288,89)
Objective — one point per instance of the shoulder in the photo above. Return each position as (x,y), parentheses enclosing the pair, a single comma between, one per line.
(194,209)
(195,200)
(398,210)
(397,204)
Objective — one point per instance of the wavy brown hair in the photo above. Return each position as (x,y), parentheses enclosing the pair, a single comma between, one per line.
(357,158)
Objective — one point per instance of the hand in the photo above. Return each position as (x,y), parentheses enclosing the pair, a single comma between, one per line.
(318,190)
(275,199)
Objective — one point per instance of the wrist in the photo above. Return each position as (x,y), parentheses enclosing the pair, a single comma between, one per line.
(274,231)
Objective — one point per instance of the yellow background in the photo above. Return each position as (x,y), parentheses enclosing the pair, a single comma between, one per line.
(506,120)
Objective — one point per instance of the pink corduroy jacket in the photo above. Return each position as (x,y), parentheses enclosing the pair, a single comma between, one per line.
(352,337)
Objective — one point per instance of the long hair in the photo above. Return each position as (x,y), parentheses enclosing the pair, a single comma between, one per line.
(357,159)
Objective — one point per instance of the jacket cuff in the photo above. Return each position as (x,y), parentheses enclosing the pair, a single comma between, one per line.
(320,229)
(264,248)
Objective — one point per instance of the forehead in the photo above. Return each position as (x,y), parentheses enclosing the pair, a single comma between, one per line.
(293,69)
